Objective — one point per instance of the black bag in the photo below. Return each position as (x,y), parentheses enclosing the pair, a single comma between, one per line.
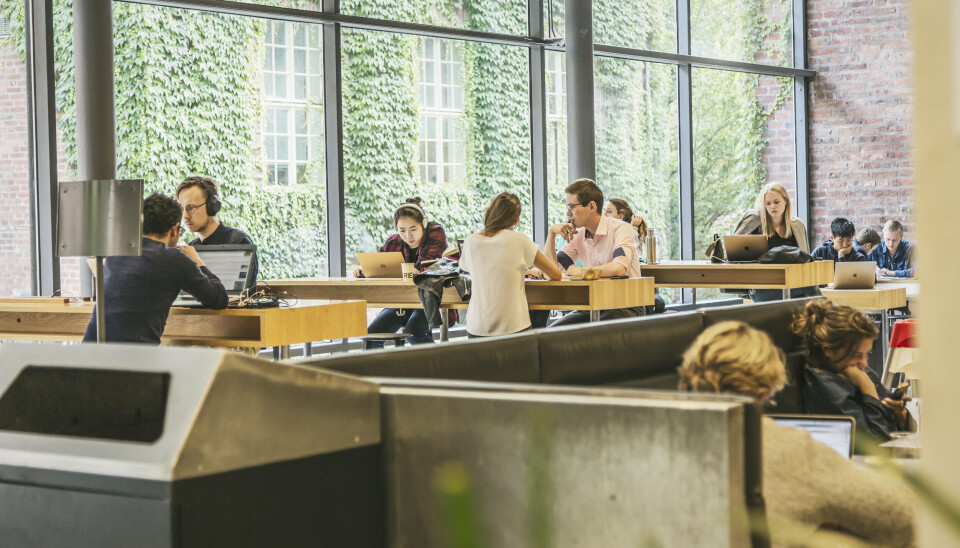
(715,251)
(785,254)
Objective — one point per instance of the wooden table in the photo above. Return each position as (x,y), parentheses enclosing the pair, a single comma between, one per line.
(880,299)
(704,274)
(911,285)
(36,320)
(603,294)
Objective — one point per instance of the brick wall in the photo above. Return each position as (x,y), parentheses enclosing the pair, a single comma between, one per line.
(860,114)
(16,231)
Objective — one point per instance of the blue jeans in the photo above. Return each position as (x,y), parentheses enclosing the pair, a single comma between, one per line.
(766,295)
(413,322)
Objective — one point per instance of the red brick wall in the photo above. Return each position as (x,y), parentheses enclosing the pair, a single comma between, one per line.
(16,231)
(860,113)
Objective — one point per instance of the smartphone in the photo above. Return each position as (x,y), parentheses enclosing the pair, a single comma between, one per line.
(619,277)
(900,391)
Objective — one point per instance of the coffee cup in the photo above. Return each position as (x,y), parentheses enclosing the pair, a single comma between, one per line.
(409,270)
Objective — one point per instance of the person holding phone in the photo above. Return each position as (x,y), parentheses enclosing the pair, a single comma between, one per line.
(807,485)
(497,259)
(419,241)
(837,379)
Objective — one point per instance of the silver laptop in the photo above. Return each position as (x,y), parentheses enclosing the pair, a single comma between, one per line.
(381,265)
(231,263)
(834,431)
(858,275)
(745,248)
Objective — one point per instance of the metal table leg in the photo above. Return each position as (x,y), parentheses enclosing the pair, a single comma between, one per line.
(308,349)
(885,332)
(444,325)
(285,352)
(786,294)
(594,316)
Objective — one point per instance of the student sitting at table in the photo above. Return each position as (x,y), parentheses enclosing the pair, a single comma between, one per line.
(497,259)
(596,241)
(618,208)
(806,484)
(772,217)
(419,241)
(895,255)
(138,291)
(866,241)
(839,248)
(838,340)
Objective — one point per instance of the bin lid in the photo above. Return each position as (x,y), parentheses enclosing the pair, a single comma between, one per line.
(167,413)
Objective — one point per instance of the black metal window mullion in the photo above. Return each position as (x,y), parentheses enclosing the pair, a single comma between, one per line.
(685,123)
(333,144)
(538,123)
(800,126)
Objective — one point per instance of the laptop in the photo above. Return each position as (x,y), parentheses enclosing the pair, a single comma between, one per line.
(835,431)
(231,263)
(381,265)
(858,275)
(745,248)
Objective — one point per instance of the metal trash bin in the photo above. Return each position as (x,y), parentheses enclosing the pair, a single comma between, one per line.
(123,445)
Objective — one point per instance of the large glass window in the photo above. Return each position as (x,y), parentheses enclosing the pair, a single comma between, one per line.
(753,31)
(17,266)
(501,16)
(402,134)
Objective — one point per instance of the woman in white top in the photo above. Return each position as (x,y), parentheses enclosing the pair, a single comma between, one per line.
(497,259)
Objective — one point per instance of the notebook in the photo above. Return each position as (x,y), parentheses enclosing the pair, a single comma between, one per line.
(858,275)
(231,263)
(834,431)
(745,248)
(381,265)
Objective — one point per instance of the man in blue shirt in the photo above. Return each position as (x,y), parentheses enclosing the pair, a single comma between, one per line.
(138,291)
(895,255)
(839,248)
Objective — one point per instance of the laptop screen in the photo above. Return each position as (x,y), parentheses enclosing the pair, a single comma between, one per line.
(835,432)
(230,263)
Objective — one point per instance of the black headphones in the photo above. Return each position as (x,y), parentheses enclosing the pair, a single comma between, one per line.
(213,201)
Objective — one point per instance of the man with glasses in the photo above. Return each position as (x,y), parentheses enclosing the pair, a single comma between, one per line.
(138,291)
(596,241)
(200,199)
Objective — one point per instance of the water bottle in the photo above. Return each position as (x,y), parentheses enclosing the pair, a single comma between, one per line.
(651,247)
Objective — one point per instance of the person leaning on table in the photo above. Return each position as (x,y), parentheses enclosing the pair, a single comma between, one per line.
(497,259)
(806,485)
(596,241)
(138,291)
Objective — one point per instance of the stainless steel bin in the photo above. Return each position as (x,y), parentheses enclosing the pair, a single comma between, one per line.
(121,445)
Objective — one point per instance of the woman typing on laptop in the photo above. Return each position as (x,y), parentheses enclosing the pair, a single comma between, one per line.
(497,259)
(419,241)
(806,485)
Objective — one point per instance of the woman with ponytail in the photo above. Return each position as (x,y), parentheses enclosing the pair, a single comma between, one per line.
(497,259)
(838,381)
(806,484)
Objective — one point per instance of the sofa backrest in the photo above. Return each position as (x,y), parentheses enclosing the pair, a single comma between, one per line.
(626,352)
(512,358)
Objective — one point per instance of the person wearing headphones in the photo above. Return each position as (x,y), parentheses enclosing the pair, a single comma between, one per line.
(420,241)
(200,199)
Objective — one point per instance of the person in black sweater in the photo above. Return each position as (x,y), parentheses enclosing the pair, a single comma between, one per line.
(839,248)
(200,199)
(138,291)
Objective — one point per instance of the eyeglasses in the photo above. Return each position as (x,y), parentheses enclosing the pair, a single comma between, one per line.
(571,207)
(189,209)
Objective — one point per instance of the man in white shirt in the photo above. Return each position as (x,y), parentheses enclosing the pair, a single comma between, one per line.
(596,241)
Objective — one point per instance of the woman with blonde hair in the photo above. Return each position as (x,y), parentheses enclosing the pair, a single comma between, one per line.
(497,259)
(772,217)
(806,484)
(837,379)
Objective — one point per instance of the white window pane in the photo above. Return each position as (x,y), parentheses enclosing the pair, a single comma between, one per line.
(280,33)
(282,175)
(431,174)
(299,35)
(300,119)
(280,85)
(268,86)
(431,124)
(430,100)
(447,152)
(280,59)
(447,98)
(271,146)
(281,120)
(303,149)
(316,63)
(300,87)
(429,68)
(316,86)
(314,36)
(301,173)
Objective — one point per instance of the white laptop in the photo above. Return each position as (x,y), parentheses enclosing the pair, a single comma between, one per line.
(231,263)
(748,247)
(835,431)
(381,265)
(855,275)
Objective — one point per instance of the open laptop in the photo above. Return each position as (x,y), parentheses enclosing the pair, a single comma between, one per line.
(231,263)
(381,265)
(745,248)
(858,275)
(835,431)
